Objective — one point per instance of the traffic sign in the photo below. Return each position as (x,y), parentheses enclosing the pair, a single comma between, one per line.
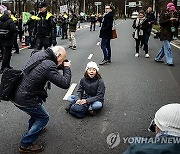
(97,3)
(132,4)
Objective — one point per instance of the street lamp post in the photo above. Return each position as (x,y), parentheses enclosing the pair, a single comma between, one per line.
(125,7)
(84,6)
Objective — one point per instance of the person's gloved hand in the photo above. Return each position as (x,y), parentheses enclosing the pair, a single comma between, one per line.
(54,42)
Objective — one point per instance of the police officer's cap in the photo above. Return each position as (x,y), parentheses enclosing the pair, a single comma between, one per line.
(42,4)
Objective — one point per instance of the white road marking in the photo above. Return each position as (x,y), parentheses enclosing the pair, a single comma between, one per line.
(70,91)
(170,43)
(90,56)
(98,43)
(175,45)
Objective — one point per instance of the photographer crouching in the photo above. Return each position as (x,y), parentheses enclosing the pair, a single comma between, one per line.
(43,66)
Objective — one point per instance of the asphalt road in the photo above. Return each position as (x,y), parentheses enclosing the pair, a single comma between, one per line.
(135,89)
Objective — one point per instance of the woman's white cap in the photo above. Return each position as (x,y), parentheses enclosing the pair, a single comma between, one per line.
(92,64)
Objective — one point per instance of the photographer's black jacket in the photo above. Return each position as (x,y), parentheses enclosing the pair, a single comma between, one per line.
(31,90)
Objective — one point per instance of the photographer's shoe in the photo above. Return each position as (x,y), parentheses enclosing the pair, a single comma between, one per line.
(31,149)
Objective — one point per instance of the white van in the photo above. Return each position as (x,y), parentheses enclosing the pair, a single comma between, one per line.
(134,15)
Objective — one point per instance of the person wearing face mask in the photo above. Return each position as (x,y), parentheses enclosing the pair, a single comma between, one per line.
(166,125)
(141,25)
(167,29)
(45,29)
(31,94)
(91,90)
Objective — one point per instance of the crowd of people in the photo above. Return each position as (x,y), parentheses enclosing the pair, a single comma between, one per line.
(169,23)
(89,98)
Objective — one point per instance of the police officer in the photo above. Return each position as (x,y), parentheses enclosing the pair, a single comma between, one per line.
(45,29)
(93,21)
(6,40)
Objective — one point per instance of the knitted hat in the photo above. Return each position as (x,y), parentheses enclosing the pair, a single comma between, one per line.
(169,5)
(172,8)
(92,64)
(167,118)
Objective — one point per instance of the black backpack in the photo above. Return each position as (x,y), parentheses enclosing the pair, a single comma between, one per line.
(79,111)
(10,80)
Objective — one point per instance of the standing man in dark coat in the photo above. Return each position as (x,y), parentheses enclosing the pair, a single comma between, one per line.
(45,29)
(106,34)
(7,24)
(31,93)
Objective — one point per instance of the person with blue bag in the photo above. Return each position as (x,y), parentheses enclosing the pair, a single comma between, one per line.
(90,93)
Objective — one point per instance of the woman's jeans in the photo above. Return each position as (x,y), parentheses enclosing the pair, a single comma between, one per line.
(165,50)
(39,119)
(106,48)
(94,106)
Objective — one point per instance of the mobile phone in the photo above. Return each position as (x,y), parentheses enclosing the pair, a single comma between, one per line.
(152,126)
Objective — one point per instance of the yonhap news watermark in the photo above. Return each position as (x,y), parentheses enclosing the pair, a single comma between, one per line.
(114,140)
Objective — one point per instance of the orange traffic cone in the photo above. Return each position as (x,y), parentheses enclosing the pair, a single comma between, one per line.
(23,44)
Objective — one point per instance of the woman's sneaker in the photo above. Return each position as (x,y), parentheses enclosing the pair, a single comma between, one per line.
(137,55)
(147,55)
(92,112)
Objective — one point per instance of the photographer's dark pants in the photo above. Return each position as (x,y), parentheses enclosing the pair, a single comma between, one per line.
(42,42)
(6,57)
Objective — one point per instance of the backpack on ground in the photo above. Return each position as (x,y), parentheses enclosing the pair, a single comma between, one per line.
(79,111)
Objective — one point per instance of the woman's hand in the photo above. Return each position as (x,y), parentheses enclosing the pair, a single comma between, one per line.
(81,102)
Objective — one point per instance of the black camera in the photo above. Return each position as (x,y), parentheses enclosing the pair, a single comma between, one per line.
(61,66)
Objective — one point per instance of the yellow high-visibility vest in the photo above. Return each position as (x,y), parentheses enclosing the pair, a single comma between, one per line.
(13,18)
(47,16)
